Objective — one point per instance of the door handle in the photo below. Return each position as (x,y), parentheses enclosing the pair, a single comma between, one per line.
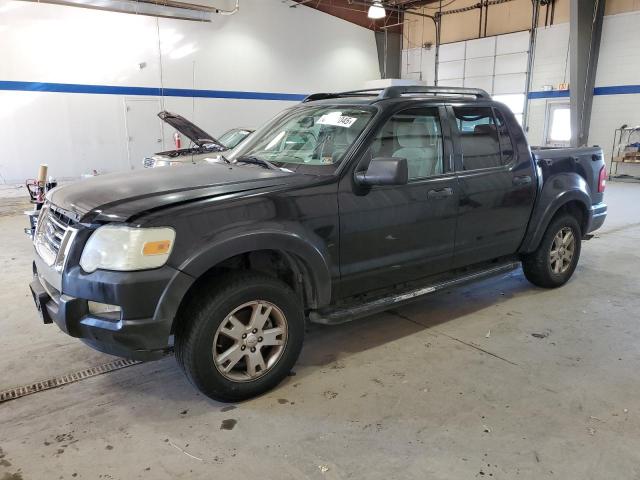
(440,193)
(522,180)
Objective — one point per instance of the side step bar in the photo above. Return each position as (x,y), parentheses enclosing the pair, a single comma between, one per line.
(346,314)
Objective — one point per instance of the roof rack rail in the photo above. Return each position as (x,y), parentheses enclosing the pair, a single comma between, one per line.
(398,91)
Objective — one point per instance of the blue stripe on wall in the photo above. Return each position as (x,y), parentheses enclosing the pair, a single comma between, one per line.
(612,90)
(148,91)
(548,94)
(617,90)
(233,94)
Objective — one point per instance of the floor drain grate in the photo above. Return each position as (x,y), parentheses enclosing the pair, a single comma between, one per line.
(56,382)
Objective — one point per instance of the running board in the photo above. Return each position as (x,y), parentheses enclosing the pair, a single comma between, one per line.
(346,314)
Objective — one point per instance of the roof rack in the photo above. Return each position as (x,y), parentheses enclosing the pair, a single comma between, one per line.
(398,91)
(393,92)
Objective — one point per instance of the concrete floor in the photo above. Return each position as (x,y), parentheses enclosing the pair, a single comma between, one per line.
(453,387)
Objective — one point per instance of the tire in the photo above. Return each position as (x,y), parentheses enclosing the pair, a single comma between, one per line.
(539,267)
(222,313)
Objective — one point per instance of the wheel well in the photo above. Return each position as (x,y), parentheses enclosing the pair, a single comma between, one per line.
(279,264)
(578,211)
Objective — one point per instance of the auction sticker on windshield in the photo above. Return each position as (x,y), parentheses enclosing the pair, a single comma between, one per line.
(336,119)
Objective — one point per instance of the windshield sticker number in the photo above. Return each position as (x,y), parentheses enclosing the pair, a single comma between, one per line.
(336,119)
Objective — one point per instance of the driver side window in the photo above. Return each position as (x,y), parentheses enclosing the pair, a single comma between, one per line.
(413,134)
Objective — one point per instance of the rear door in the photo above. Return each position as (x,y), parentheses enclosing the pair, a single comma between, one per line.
(394,234)
(497,183)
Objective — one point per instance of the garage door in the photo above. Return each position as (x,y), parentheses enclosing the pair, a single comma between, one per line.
(496,64)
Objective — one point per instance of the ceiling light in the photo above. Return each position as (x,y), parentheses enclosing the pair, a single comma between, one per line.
(376,11)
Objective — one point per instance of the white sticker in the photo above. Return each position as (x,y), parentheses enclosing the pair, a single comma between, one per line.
(336,119)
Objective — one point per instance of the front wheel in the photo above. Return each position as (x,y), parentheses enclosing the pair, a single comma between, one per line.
(556,258)
(241,337)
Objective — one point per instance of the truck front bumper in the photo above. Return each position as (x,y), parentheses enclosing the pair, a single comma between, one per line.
(148,302)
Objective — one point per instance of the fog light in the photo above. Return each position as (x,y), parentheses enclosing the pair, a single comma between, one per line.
(104,309)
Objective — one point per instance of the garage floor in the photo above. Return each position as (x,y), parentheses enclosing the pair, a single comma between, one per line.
(495,380)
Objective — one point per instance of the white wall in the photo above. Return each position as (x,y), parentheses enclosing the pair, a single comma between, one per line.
(266,47)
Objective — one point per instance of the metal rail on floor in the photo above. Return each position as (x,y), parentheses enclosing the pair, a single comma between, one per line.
(17,392)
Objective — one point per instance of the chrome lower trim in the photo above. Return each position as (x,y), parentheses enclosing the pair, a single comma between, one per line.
(50,289)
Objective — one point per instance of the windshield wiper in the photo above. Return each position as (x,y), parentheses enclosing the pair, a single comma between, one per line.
(256,161)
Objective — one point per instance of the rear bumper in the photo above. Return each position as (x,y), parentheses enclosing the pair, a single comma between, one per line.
(597,215)
(127,334)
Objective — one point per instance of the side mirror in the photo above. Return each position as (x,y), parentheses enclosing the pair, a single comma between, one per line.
(384,171)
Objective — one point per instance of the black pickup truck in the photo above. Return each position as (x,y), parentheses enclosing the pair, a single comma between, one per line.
(341,206)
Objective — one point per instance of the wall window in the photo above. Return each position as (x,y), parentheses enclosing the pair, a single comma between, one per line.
(478,137)
(558,121)
(413,134)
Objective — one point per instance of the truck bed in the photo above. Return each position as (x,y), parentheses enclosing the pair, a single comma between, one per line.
(585,161)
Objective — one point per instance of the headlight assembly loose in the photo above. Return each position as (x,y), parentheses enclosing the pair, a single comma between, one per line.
(113,247)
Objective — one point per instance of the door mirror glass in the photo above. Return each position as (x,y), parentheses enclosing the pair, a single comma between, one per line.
(384,171)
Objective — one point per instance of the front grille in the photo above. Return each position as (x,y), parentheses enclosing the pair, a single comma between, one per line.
(149,162)
(53,237)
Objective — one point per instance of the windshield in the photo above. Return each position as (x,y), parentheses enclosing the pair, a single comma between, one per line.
(233,137)
(315,136)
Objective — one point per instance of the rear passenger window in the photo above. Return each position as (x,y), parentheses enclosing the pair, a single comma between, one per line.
(415,135)
(506,144)
(478,137)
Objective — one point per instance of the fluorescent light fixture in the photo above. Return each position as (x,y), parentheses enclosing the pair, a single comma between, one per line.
(165,9)
(376,11)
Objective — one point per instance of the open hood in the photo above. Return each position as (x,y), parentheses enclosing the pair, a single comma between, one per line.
(189,130)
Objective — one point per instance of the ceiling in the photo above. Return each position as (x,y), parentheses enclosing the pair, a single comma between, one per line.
(355,11)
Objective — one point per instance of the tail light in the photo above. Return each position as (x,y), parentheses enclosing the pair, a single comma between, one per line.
(602,179)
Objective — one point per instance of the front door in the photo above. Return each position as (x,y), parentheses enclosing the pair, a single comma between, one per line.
(394,234)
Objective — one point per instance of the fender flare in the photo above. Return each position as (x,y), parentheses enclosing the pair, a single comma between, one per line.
(557,191)
(311,256)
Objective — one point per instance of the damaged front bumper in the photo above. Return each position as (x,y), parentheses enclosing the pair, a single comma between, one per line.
(140,330)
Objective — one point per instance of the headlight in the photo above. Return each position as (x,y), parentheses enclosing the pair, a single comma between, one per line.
(113,247)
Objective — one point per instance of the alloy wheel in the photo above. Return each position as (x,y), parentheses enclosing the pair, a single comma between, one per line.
(562,250)
(250,341)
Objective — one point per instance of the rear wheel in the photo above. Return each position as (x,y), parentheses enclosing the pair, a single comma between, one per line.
(241,338)
(556,258)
